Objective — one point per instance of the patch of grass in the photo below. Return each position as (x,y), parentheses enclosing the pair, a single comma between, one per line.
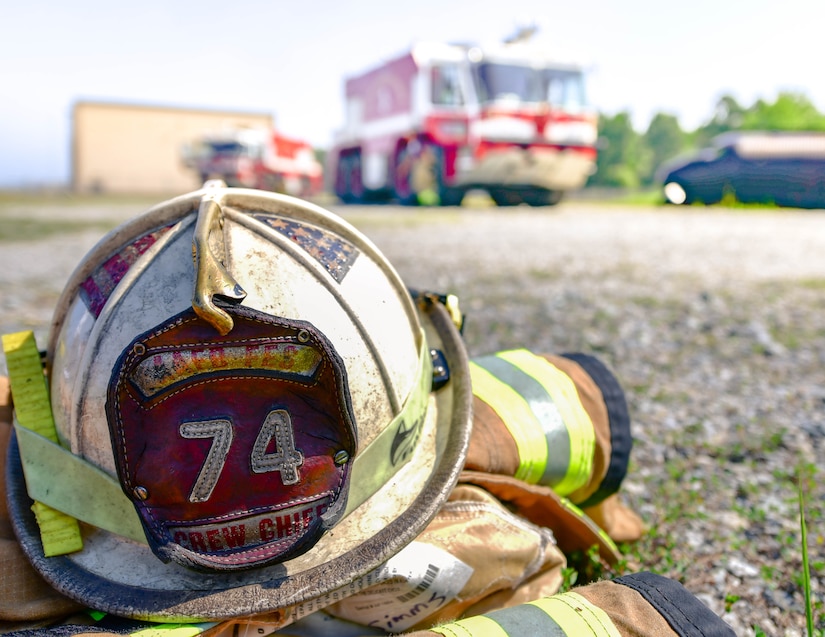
(623,196)
(584,567)
(812,284)
(806,478)
(405,219)
(730,200)
(730,600)
(60,197)
(649,197)
(23,229)
(648,302)
(546,274)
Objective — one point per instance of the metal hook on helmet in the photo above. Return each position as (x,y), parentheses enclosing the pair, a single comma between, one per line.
(211,276)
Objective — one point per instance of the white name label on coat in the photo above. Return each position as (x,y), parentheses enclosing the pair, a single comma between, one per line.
(411,586)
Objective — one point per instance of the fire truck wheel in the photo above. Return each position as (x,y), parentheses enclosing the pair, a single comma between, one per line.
(419,177)
(349,186)
(505,197)
(541,197)
(273,183)
(452,196)
(402,178)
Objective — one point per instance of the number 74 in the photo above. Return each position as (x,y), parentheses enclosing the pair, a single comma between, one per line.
(276,426)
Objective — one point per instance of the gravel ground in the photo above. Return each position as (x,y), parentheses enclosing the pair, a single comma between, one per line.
(712,319)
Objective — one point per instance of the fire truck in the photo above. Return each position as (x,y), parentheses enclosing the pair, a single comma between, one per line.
(257,158)
(443,119)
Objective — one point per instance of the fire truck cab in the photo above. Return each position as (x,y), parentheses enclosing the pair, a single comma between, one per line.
(443,119)
(256,158)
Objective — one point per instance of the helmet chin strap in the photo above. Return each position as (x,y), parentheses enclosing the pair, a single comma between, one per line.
(211,276)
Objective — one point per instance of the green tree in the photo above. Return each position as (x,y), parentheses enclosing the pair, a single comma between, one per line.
(629,160)
(790,112)
(664,139)
(622,157)
(320,155)
(727,116)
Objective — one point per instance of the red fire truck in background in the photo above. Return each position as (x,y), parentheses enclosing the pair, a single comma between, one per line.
(257,158)
(443,119)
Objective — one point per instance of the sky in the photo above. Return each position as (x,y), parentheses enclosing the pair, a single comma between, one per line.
(290,59)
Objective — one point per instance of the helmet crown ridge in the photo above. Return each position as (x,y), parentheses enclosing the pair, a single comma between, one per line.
(211,277)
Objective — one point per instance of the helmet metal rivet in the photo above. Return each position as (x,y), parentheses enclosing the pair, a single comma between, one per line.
(141,493)
(303,336)
(139,349)
(341,457)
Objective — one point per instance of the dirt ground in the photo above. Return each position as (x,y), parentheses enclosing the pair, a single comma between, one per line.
(712,319)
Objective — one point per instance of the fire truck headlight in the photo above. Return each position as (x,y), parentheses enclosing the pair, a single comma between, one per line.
(452,129)
(464,161)
(578,133)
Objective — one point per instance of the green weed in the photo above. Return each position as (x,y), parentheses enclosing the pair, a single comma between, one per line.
(806,570)
(730,600)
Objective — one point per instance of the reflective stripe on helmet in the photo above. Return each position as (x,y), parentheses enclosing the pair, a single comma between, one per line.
(392,448)
(565,615)
(540,407)
(59,532)
(64,481)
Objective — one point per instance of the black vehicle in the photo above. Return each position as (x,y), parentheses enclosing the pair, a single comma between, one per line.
(780,168)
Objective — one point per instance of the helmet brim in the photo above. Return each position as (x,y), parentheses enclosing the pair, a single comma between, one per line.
(123,577)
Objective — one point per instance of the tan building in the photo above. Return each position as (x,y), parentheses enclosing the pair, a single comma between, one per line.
(130,148)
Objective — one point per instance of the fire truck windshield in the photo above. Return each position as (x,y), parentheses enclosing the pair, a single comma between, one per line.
(561,88)
(233,149)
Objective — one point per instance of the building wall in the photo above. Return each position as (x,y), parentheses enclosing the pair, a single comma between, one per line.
(129,148)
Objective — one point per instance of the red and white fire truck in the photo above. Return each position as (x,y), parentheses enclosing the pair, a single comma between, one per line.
(257,158)
(443,119)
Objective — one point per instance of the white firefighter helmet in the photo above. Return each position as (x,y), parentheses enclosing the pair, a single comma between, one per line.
(243,392)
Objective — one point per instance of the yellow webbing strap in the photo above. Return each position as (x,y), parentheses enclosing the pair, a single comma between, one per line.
(59,532)
(64,481)
(565,615)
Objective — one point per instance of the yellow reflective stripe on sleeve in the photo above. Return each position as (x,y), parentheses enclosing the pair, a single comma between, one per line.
(565,615)
(519,420)
(479,626)
(577,616)
(59,532)
(579,426)
(173,630)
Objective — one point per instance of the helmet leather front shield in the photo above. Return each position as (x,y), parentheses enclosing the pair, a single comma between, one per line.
(234,449)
